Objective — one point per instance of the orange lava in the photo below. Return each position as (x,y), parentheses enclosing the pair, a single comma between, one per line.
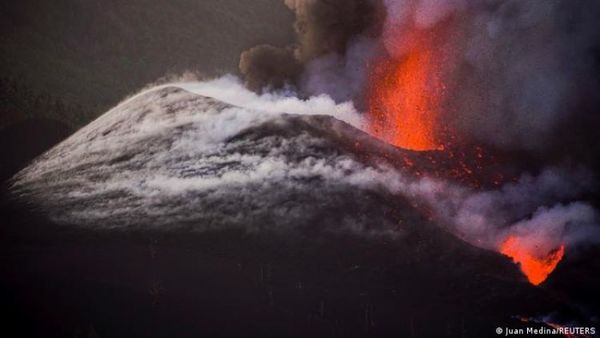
(406,93)
(535,268)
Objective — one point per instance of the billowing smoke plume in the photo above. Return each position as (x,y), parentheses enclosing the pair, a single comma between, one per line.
(520,72)
(319,61)
(528,69)
(268,66)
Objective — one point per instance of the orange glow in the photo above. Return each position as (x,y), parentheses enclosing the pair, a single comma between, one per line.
(406,93)
(535,268)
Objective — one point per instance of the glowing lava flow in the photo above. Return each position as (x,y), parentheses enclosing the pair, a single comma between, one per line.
(406,92)
(535,268)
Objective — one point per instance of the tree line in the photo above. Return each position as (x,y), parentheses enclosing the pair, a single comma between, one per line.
(19,102)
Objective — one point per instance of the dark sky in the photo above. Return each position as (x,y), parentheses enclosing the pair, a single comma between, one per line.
(95,52)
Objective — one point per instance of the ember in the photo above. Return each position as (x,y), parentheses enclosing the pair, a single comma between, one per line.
(406,92)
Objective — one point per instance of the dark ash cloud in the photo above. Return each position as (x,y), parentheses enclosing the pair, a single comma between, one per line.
(322,28)
(266,66)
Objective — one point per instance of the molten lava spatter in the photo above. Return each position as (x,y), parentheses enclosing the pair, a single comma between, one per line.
(535,268)
(406,92)
(408,105)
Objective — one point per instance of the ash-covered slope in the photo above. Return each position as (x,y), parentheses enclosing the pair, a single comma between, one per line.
(169,158)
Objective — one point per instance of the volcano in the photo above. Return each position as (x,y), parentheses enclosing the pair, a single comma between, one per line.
(175,205)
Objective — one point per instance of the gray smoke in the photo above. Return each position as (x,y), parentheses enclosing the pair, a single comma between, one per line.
(341,76)
(543,211)
(325,30)
(524,71)
(270,67)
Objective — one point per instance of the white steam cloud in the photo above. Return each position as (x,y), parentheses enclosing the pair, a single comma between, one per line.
(231,90)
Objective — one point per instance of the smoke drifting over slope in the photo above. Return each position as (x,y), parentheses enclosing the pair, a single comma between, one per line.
(168,158)
(527,72)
